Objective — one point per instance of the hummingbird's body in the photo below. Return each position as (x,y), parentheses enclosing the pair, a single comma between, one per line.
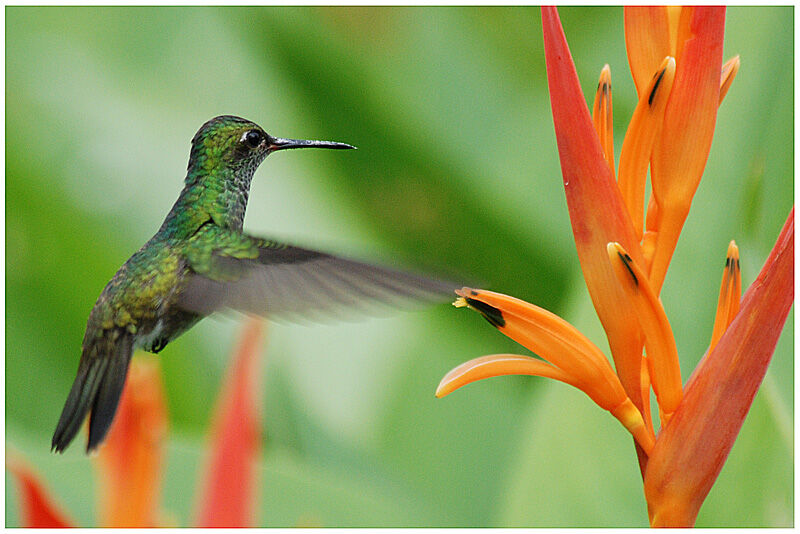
(199,261)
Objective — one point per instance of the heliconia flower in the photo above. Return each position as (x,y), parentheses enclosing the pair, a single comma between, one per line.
(675,57)
(691,451)
(229,496)
(129,464)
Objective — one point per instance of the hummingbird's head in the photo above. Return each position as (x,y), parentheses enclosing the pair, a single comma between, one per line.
(228,143)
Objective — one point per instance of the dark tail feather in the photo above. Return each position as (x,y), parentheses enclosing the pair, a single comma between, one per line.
(105,404)
(97,387)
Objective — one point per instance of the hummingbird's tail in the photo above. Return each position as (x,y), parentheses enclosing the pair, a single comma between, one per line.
(97,387)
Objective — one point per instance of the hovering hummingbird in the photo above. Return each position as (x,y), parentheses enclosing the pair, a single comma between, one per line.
(199,262)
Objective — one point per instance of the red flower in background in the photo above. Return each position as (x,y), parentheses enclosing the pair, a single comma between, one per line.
(129,463)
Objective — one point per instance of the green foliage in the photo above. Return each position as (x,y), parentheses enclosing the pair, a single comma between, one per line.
(457,172)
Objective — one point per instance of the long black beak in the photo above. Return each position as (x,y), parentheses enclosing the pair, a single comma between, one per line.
(278,143)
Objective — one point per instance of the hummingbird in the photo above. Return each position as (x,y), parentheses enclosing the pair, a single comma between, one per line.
(200,262)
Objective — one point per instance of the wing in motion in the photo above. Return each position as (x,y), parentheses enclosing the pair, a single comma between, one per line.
(271,279)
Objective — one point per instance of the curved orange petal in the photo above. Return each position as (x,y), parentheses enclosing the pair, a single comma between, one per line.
(730,293)
(603,115)
(681,149)
(129,463)
(691,451)
(662,354)
(37,508)
(512,364)
(729,71)
(647,39)
(228,499)
(498,365)
(638,144)
(552,338)
(597,212)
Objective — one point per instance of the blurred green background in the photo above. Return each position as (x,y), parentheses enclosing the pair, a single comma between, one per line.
(457,172)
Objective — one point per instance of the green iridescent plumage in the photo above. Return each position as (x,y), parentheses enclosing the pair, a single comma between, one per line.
(199,262)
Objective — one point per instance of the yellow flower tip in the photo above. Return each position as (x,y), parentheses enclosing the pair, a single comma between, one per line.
(472,298)
(733,250)
(729,71)
(604,84)
(460,302)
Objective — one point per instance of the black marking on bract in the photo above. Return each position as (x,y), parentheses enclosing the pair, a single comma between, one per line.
(490,313)
(473,293)
(727,262)
(655,87)
(626,260)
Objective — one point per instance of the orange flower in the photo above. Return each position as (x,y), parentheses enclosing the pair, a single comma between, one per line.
(675,56)
(129,463)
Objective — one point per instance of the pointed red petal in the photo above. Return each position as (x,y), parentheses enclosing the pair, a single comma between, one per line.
(691,451)
(38,509)
(229,496)
(596,209)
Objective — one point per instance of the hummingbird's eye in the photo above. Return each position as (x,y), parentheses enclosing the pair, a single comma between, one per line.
(253,138)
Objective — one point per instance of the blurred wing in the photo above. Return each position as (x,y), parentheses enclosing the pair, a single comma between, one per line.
(271,279)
